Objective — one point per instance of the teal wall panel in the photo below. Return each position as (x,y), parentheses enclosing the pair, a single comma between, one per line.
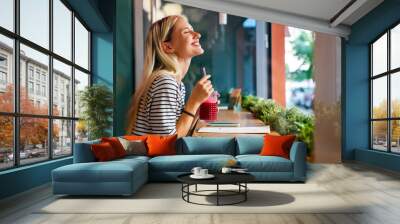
(24,178)
(102,61)
(355,105)
(102,58)
(123,64)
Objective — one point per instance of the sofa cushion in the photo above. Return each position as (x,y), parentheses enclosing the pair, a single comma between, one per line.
(116,145)
(207,145)
(135,137)
(134,147)
(103,152)
(249,145)
(276,145)
(111,171)
(185,163)
(159,145)
(257,163)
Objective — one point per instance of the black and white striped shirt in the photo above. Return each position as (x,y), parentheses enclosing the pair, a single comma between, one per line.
(165,103)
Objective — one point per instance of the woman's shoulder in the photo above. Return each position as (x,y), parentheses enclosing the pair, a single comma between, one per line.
(165,80)
(165,76)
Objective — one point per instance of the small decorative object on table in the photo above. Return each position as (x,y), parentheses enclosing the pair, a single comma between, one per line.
(200,173)
(226,170)
(235,100)
(236,170)
(230,164)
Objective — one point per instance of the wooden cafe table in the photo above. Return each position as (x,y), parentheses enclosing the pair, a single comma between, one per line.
(244,118)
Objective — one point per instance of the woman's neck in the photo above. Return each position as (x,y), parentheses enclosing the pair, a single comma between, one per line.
(184,66)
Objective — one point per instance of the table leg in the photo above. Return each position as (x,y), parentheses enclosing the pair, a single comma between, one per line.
(245,193)
(196,188)
(217,194)
(188,189)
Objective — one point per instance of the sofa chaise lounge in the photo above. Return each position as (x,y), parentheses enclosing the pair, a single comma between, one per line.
(125,176)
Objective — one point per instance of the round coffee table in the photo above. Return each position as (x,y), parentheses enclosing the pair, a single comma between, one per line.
(238,179)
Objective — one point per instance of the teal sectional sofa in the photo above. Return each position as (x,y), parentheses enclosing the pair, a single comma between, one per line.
(125,176)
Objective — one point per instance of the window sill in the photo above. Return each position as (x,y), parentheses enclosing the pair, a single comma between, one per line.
(26,167)
(381,159)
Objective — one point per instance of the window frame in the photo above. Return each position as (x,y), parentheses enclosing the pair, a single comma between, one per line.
(3,71)
(5,58)
(3,77)
(388,74)
(16,114)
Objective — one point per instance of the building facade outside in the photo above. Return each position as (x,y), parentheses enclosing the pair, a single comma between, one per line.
(34,82)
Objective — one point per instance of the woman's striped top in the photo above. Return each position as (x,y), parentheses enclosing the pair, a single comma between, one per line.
(165,103)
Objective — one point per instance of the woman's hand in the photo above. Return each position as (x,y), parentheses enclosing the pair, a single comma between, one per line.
(201,91)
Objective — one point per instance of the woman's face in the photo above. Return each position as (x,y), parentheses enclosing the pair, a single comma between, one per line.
(184,41)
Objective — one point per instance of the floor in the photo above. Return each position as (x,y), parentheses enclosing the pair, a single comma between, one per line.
(378,188)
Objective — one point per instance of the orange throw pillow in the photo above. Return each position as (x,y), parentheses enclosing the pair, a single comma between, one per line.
(161,145)
(116,145)
(103,152)
(135,137)
(277,145)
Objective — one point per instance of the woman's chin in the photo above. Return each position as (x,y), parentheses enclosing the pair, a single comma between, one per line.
(198,51)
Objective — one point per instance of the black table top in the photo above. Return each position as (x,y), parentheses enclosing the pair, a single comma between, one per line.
(220,178)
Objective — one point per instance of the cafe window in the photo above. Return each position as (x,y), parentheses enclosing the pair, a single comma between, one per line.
(33,36)
(385,95)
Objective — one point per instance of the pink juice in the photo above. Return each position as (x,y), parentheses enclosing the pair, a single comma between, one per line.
(209,109)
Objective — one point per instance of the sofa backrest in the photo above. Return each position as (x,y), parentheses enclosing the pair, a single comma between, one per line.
(249,144)
(191,146)
(83,152)
(206,145)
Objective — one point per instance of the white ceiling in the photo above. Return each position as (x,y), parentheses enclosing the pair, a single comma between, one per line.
(313,15)
(320,9)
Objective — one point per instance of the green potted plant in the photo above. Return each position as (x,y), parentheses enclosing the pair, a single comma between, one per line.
(283,121)
(96,102)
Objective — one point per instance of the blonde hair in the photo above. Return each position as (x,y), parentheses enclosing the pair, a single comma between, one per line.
(156,63)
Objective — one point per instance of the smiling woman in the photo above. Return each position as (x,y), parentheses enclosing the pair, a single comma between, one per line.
(158,104)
